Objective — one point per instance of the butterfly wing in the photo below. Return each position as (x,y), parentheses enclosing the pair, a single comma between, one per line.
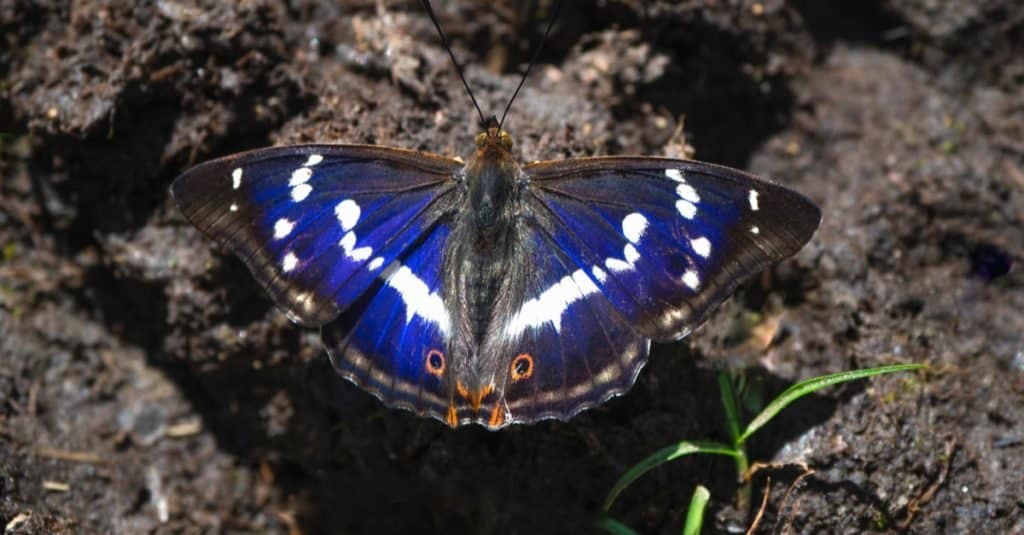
(563,345)
(623,250)
(666,240)
(317,224)
(392,343)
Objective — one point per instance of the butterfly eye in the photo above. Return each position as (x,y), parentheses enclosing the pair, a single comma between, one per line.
(522,367)
(506,140)
(481,139)
(435,362)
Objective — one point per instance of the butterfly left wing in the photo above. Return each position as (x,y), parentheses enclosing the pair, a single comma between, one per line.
(621,251)
(316,224)
(392,342)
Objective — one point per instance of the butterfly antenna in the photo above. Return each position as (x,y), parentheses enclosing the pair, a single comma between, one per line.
(536,54)
(458,68)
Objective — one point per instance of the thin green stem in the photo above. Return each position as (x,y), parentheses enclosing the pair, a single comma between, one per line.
(735,426)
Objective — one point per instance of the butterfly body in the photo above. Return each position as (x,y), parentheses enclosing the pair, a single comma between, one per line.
(489,292)
(482,246)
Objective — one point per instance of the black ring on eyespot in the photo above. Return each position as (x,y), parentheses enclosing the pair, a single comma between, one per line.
(522,367)
(435,362)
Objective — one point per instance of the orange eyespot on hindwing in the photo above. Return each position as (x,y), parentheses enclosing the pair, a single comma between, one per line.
(435,363)
(522,366)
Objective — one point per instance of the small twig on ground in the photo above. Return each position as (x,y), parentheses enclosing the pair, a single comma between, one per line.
(72,456)
(18,520)
(187,428)
(789,491)
(760,510)
(758,466)
(288,519)
(56,486)
(915,505)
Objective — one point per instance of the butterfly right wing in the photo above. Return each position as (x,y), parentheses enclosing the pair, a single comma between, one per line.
(666,240)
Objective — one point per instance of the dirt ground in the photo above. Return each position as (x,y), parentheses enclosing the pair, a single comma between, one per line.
(148,386)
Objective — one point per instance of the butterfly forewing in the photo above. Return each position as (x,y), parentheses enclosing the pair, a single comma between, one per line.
(665,240)
(317,224)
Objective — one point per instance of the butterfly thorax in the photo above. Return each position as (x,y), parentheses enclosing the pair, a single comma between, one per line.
(477,259)
(490,181)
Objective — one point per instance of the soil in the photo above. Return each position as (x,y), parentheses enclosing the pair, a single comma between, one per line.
(148,386)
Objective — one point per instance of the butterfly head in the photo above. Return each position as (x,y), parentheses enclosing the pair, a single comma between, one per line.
(491,178)
(493,138)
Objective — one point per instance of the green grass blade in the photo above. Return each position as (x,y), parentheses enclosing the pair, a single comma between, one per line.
(803,388)
(614,527)
(732,412)
(695,515)
(662,456)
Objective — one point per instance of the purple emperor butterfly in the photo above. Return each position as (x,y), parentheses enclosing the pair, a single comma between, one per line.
(491,292)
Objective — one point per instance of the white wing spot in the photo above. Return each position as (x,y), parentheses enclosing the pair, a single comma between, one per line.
(686,208)
(419,301)
(755,230)
(300,192)
(551,303)
(599,274)
(691,279)
(674,174)
(753,201)
(348,244)
(687,193)
(584,283)
(236,178)
(282,228)
(300,176)
(701,246)
(233,207)
(631,254)
(289,262)
(348,241)
(348,213)
(375,263)
(633,226)
(313,160)
(361,254)
(618,265)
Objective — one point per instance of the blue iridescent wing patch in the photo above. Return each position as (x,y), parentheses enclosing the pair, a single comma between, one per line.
(318,224)
(392,341)
(666,240)
(562,343)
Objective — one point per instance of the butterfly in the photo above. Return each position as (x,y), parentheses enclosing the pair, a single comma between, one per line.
(487,291)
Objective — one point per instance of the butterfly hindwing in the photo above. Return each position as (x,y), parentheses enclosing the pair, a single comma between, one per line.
(562,344)
(665,240)
(316,224)
(392,342)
